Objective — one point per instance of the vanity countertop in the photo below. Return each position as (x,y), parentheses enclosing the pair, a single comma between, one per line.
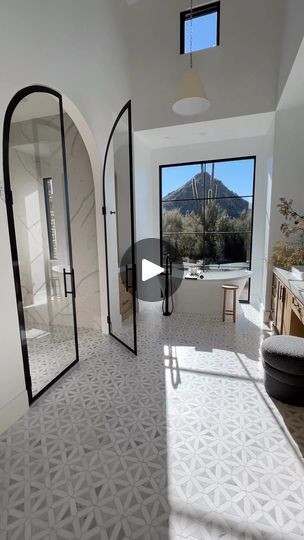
(291,282)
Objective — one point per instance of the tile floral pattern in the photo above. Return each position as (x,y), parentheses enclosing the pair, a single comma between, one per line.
(51,349)
(179,443)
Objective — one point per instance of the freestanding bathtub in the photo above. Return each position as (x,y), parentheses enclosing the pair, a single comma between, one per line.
(206,295)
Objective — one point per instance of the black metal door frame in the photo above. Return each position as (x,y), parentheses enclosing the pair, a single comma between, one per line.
(12,232)
(127,108)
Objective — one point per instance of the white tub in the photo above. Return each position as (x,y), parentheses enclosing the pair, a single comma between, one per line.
(206,295)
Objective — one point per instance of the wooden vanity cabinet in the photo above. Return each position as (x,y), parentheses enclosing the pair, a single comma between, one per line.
(286,311)
(280,307)
(278,304)
(274,297)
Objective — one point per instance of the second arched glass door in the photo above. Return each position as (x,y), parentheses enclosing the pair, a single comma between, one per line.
(119,231)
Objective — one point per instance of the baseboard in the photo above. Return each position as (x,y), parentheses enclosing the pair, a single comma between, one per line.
(13,410)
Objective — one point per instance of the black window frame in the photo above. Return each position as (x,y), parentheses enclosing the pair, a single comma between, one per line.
(200,11)
(206,162)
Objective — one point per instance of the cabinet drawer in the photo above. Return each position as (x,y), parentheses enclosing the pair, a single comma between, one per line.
(298,308)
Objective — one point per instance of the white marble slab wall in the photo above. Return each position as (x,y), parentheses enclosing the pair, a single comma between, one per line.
(35,154)
(83,226)
(27,169)
(30,162)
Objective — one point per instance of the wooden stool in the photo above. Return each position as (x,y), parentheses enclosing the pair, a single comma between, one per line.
(232,311)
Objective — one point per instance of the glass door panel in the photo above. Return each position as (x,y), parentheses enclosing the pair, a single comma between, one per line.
(119,230)
(38,181)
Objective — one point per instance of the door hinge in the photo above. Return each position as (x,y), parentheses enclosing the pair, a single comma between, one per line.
(103,210)
(108,320)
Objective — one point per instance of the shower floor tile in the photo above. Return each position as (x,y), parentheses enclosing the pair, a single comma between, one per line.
(180,442)
(51,349)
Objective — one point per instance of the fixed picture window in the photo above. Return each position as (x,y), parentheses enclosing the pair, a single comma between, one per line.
(205,28)
(207,213)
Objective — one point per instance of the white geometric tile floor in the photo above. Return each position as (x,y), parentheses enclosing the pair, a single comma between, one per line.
(179,443)
(51,349)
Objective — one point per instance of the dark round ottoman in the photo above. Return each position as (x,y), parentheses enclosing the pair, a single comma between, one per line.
(284,368)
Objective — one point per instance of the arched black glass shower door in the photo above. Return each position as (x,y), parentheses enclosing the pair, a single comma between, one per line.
(119,231)
(36,190)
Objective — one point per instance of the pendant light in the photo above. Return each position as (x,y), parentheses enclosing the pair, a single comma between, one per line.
(191,98)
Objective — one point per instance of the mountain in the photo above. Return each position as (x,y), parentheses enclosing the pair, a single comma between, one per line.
(233,207)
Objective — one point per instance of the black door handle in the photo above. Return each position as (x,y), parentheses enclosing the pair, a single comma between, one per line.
(65,284)
(127,278)
(65,274)
(73,283)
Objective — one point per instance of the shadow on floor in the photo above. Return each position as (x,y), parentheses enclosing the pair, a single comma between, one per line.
(293,418)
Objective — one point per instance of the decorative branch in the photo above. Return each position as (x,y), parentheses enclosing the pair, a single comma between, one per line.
(287,254)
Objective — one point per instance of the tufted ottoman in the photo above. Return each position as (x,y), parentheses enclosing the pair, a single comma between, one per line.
(284,368)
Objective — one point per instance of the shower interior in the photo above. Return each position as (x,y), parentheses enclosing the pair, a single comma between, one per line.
(48,218)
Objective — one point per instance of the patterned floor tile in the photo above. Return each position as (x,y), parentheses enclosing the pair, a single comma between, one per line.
(51,348)
(179,443)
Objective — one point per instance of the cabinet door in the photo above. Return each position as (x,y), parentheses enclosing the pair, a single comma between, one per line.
(280,308)
(287,312)
(274,297)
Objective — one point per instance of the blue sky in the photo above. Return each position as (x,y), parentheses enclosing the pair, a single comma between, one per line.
(204,32)
(236,175)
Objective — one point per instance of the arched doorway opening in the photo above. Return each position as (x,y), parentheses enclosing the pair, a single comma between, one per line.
(50,200)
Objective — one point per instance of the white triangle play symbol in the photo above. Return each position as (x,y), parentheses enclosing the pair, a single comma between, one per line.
(149,270)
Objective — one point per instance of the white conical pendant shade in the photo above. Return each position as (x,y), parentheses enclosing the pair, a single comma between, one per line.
(191,98)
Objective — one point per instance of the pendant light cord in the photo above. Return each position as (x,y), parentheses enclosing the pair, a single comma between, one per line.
(191,33)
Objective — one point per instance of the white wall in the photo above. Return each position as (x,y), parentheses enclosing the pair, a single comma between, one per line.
(286,179)
(266,283)
(240,75)
(149,188)
(13,398)
(146,196)
(288,169)
(79,50)
(292,36)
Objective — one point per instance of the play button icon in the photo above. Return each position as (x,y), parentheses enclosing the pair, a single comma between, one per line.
(149,270)
(149,256)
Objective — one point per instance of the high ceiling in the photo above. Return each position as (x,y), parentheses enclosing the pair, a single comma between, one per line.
(242,127)
(240,75)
